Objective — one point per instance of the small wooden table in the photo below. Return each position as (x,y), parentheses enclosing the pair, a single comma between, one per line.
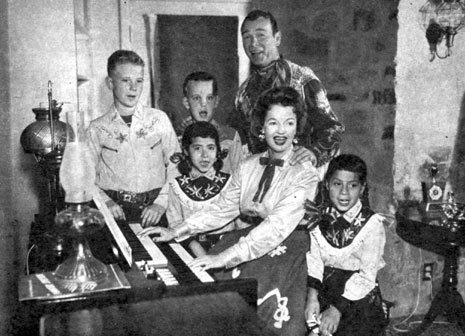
(446,242)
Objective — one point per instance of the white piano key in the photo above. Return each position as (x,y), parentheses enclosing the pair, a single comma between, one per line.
(167,277)
(158,258)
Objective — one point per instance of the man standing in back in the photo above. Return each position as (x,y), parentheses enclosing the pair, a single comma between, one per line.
(261,39)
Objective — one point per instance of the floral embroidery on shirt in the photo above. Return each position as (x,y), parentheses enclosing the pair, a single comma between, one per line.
(202,188)
(337,231)
(122,138)
(106,131)
(141,133)
(150,127)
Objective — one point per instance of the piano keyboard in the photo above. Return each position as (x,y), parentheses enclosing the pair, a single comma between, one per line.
(167,277)
(187,258)
(179,258)
(144,250)
(169,261)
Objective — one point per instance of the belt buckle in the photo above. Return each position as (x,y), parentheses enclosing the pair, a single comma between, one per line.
(128,197)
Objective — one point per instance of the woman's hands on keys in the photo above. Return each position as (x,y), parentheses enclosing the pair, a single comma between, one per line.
(158,234)
(208,261)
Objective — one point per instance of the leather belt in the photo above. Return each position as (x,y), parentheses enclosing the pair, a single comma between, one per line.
(143,198)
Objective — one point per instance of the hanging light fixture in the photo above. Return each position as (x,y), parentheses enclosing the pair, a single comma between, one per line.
(442,20)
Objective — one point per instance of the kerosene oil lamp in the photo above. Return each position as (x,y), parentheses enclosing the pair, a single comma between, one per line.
(81,271)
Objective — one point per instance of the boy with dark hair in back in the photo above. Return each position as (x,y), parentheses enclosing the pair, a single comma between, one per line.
(201,100)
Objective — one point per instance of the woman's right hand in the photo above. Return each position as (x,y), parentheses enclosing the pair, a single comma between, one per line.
(158,234)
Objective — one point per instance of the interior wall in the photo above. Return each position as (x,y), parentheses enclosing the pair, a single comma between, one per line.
(430,97)
(37,39)
(7,236)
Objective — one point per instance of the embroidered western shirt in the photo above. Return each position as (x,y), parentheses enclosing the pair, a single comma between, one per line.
(282,208)
(189,195)
(364,254)
(135,158)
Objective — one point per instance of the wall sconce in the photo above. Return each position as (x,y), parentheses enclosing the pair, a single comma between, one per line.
(442,19)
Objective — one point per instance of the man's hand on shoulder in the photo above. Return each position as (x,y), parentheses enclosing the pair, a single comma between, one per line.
(301,155)
(151,215)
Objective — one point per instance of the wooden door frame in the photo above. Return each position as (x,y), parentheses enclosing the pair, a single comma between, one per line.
(238,8)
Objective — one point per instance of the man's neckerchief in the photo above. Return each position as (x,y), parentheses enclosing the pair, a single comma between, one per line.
(262,79)
(339,232)
(202,188)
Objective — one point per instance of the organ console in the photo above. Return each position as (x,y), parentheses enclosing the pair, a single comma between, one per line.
(166,296)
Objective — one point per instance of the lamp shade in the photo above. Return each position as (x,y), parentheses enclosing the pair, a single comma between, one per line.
(451,15)
(37,137)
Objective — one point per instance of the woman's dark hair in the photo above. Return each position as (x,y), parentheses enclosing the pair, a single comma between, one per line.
(285,96)
(353,164)
(202,129)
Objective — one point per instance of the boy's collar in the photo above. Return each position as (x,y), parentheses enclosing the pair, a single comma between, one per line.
(138,112)
(191,120)
(350,214)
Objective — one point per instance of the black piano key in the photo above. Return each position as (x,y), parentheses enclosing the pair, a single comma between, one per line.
(183,272)
(138,250)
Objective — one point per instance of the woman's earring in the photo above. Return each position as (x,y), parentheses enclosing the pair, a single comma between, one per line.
(295,141)
(261,136)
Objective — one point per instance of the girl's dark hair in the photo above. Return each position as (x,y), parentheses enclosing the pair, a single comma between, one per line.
(285,96)
(202,129)
(348,162)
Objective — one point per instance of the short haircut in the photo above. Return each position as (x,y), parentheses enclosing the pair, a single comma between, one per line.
(348,162)
(202,129)
(256,14)
(285,96)
(123,57)
(200,76)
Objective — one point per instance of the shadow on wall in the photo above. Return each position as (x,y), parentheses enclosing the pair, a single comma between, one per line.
(457,170)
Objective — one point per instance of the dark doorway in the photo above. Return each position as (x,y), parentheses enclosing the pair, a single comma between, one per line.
(197,43)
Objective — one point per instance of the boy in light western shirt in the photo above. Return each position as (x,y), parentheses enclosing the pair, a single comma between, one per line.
(131,146)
